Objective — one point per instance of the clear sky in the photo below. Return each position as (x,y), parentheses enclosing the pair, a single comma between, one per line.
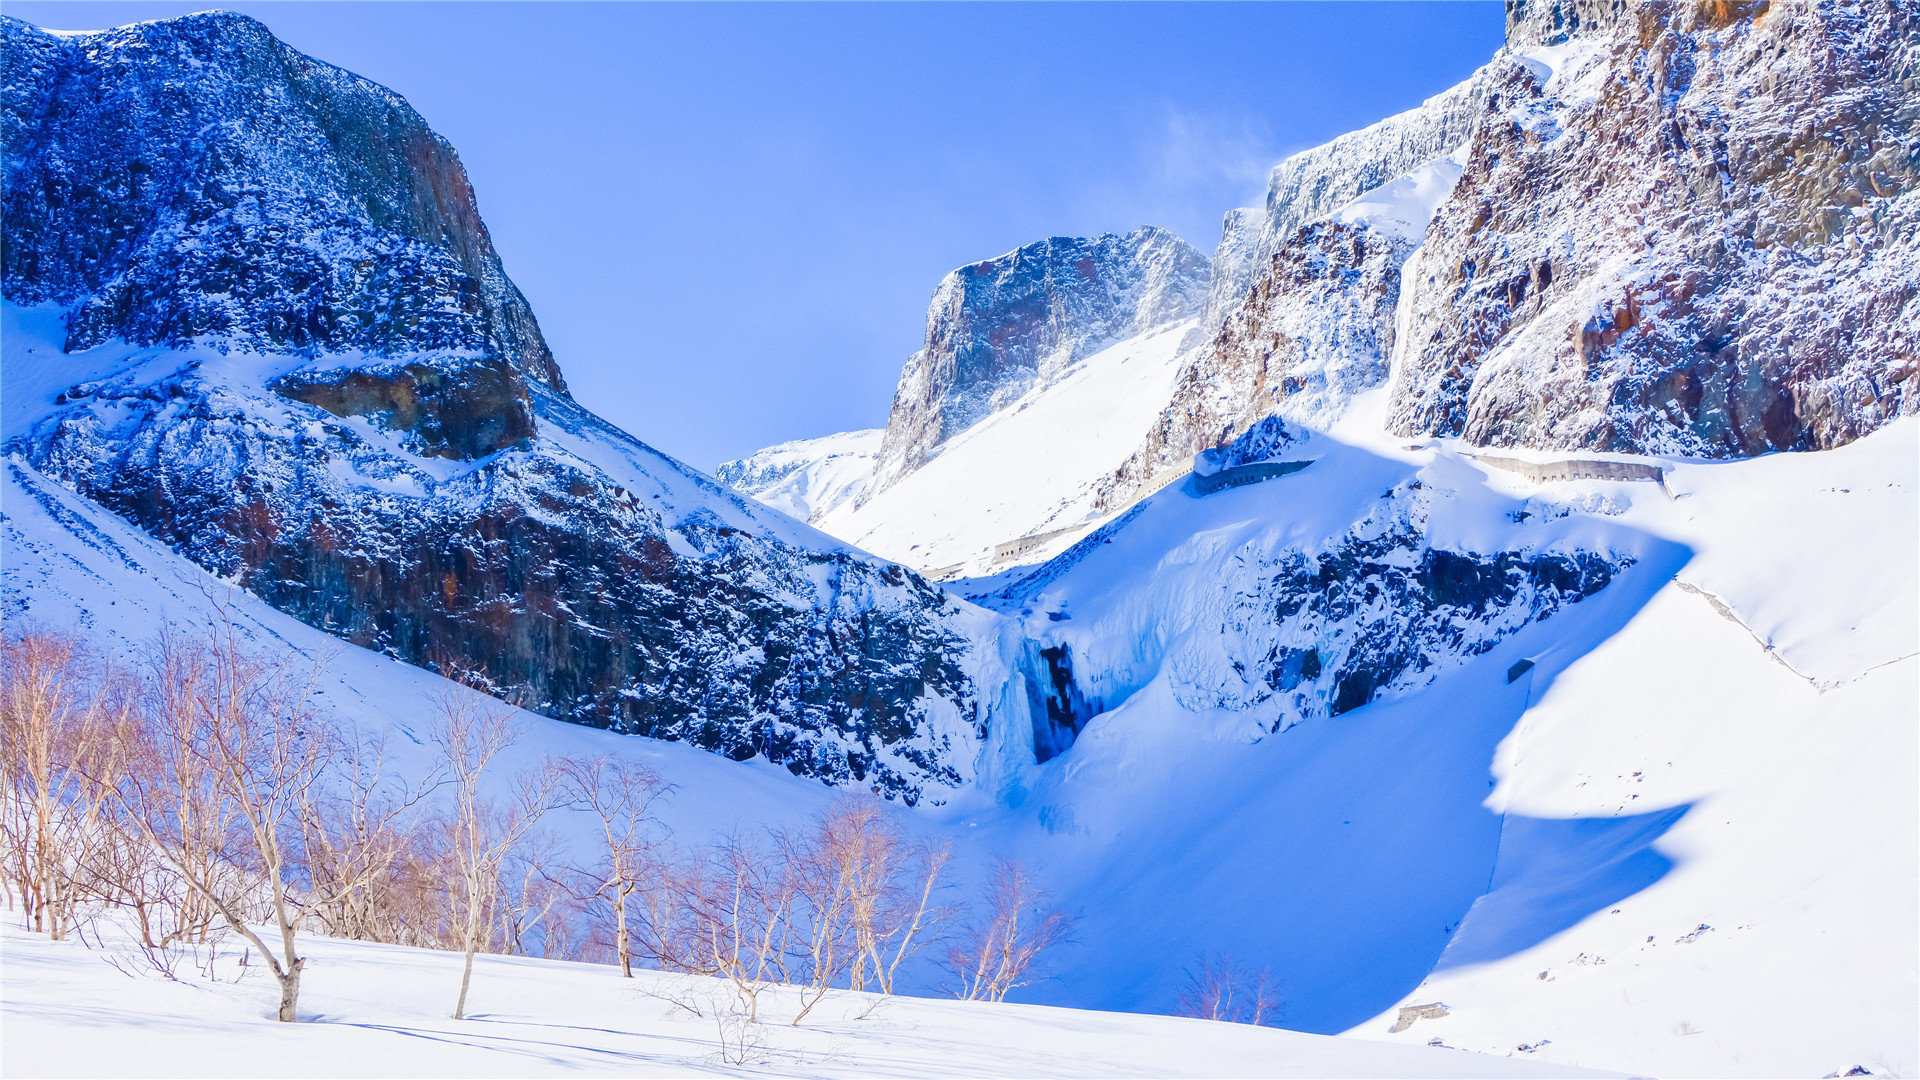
(729,217)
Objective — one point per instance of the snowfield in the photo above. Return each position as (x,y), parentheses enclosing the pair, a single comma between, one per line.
(1028,467)
(380,1010)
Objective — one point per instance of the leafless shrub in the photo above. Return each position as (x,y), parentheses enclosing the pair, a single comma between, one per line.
(997,952)
(61,718)
(1217,990)
(360,836)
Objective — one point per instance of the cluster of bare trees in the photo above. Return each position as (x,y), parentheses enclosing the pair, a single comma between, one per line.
(197,793)
(1217,989)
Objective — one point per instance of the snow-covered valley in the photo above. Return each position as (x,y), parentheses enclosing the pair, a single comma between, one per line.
(1567,752)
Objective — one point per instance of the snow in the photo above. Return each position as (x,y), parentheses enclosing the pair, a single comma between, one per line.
(1026,468)
(1448,845)
(1404,206)
(382,1010)
(807,478)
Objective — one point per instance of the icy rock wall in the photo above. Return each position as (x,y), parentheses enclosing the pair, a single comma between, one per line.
(1683,228)
(998,328)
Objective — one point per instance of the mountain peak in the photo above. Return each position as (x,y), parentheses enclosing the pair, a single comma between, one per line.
(1002,326)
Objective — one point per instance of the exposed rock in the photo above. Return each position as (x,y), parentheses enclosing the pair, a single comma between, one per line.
(196,178)
(996,329)
(1688,229)
(474,411)
(1316,329)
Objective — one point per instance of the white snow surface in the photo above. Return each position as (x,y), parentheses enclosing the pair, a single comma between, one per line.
(381,1010)
(1404,206)
(1027,468)
(807,478)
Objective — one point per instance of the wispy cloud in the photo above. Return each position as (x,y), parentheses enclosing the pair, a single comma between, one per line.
(1189,168)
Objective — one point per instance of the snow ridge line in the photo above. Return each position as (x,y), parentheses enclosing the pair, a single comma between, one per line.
(1727,612)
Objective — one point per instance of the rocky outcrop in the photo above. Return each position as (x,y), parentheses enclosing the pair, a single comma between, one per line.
(468,412)
(1686,229)
(331,394)
(197,179)
(1316,329)
(999,328)
(1276,624)
(1314,183)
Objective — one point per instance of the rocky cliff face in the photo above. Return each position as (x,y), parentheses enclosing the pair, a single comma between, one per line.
(1664,228)
(996,329)
(318,382)
(1683,229)
(198,179)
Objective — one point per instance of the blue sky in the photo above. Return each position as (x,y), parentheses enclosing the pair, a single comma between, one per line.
(729,217)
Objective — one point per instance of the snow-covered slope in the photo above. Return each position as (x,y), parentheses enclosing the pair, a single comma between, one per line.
(807,478)
(1029,467)
(1734,747)
(381,1009)
(1000,328)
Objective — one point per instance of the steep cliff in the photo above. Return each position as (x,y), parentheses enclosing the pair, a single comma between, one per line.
(1683,229)
(999,328)
(196,178)
(252,309)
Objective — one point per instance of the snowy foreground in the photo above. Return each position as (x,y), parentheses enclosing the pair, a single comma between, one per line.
(382,1010)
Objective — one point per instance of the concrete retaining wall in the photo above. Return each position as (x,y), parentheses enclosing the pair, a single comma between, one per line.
(1547,472)
(1240,475)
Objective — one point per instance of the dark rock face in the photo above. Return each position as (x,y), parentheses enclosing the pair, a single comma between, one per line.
(573,594)
(197,178)
(464,415)
(998,328)
(1701,236)
(341,402)
(1448,606)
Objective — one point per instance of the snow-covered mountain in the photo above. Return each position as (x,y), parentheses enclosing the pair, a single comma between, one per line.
(807,478)
(1631,234)
(1000,328)
(252,309)
(1603,761)
(1040,369)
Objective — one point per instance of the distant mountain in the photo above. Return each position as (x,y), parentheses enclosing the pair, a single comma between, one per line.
(1000,328)
(807,478)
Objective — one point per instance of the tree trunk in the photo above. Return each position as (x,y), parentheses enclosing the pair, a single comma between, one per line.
(620,935)
(290,990)
(466,977)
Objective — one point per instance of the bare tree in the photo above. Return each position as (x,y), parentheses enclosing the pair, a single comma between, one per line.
(238,754)
(473,732)
(619,795)
(998,952)
(863,897)
(743,913)
(356,835)
(1217,990)
(60,715)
